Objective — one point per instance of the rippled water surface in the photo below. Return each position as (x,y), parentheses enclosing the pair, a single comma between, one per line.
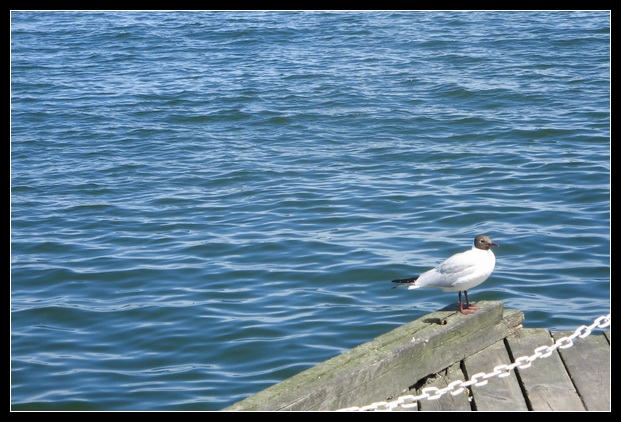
(205,204)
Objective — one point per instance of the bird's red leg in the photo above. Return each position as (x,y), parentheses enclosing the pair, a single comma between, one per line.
(468,305)
(461,308)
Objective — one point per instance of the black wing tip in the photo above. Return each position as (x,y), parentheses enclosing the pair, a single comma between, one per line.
(405,280)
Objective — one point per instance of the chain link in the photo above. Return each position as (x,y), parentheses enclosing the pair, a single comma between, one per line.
(481,378)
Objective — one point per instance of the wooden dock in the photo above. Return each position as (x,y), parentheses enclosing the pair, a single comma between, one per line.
(444,347)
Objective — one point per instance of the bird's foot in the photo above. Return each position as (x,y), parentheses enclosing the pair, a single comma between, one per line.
(468,309)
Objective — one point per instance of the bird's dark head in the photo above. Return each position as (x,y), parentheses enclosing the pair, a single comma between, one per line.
(484,242)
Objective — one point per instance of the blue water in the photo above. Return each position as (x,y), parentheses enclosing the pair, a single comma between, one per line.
(205,204)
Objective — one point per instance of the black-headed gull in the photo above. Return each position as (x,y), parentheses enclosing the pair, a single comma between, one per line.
(459,273)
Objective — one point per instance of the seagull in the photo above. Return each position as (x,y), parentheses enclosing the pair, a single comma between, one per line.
(460,272)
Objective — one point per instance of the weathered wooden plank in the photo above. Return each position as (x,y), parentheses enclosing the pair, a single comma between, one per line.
(588,365)
(546,383)
(389,364)
(499,394)
(447,402)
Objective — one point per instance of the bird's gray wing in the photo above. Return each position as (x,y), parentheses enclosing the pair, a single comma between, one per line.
(448,272)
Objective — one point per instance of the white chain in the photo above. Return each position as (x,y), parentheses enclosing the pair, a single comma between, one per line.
(481,378)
